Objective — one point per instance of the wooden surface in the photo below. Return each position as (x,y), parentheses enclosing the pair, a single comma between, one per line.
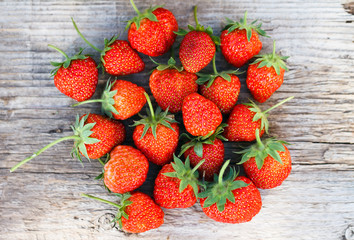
(42,200)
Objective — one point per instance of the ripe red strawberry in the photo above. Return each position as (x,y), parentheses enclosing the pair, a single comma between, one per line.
(120,99)
(232,200)
(76,77)
(221,88)
(137,212)
(197,47)
(207,148)
(170,85)
(109,132)
(245,119)
(240,42)
(152,32)
(200,115)
(267,163)
(117,57)
(265,75)
(156,135)
(176,185)
(126,169)
(94,136)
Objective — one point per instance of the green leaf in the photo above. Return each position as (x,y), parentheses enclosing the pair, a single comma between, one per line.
(203,194)
(231,197)
(202,80)
(181,32)
(275,155)
(151,17)
(208,202)
(170,174)
(225,76)
(198,149)
(83,150)
(91,140)
(249,34)
(183,184)
(209,30)
(146,128)
(56,64)
(221,204)
(238,184)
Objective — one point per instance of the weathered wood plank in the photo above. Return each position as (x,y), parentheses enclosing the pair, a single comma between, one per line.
(42,200)
(313,191)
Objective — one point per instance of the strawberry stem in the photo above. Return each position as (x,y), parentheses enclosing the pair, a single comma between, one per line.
(273,55)
(101,200)
(258,139)
(83,38)
(75,137)
(88,101)
(100,160)
(214,66)
(195,16)
(278,104)
(150,106)
(59,50)
(222,170)
(197,166)
(134,6)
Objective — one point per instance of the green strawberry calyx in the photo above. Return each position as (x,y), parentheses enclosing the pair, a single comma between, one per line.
(210,78)
(200,28)
(262,115)
(124,202)
(262,149)
(148,13)
(220,190)
(66,63)
(171,64)
(153,119)
(271,60)
(82,133)
(107,44)
(198,142)
(107,100)
(242,24)
(185,173)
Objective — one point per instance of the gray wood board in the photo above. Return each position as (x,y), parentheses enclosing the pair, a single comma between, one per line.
(42,199)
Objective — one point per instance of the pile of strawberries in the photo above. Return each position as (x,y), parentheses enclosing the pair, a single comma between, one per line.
(204,100)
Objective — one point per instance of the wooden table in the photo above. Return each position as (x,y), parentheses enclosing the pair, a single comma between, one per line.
(42,199)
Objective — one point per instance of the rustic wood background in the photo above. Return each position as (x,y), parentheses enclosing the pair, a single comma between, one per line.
(42,199)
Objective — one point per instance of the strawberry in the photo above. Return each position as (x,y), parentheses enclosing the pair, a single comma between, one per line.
(221,88)
(176,185)
(197,47)
(156,135)
(152,32)
(120,99)
(200,115)
(245,119)
(117,57)
(170,85)
(265,75)
(76,77)
(267,163)
(94,136)
(240,42)
(126,169)
(109,132)
(210,148)
(137,212)
(234,199)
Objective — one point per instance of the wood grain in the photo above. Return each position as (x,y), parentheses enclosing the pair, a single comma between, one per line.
(42,200)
